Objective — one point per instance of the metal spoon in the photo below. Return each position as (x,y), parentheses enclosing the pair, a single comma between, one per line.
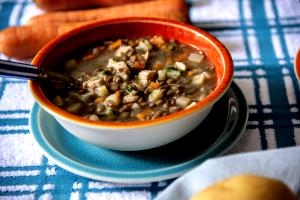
(30,72)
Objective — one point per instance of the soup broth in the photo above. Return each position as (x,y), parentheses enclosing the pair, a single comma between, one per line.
(136,79)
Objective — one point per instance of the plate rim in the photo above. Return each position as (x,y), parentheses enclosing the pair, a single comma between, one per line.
(85,170)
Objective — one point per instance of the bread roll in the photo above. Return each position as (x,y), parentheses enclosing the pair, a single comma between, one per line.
(246,187)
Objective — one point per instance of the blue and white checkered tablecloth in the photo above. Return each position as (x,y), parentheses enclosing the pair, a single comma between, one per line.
(262,36)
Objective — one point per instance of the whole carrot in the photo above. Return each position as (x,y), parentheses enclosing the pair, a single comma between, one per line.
(54,5)
(144,9)
(24,42)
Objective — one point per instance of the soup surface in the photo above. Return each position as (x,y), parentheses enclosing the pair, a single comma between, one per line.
(136,79)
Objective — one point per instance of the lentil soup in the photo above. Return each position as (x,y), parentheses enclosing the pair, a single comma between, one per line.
(135,79)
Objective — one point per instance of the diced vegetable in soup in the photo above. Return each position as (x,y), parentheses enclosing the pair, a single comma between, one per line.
(136,79)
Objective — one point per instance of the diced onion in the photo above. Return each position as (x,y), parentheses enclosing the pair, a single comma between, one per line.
(196,57)
(155,95)
(181,66)
(144,45)
(102,91)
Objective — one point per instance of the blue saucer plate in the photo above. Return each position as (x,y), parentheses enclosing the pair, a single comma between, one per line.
(216,134)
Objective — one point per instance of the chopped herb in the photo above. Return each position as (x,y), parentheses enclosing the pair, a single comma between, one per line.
(170,46)
(170,69)
(172,73)
(129,88)
(96,65)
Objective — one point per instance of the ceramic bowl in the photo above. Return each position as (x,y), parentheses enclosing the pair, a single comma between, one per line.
(139,135)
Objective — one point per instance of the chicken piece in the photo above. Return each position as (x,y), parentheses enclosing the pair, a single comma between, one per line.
(119,67)
(130,98)
(124,51)
(113,100)
(146,76)
(92,83)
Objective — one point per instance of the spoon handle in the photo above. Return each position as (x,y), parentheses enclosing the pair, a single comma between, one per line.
(31,72)
(18,70)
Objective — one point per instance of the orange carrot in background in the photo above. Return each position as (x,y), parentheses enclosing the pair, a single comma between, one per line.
(25,41)
(170,9)
(54,5)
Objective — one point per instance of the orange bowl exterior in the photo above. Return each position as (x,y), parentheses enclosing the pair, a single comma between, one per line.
(89,34)
(297,64)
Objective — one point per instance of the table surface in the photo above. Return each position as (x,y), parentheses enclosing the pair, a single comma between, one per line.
(262,36)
